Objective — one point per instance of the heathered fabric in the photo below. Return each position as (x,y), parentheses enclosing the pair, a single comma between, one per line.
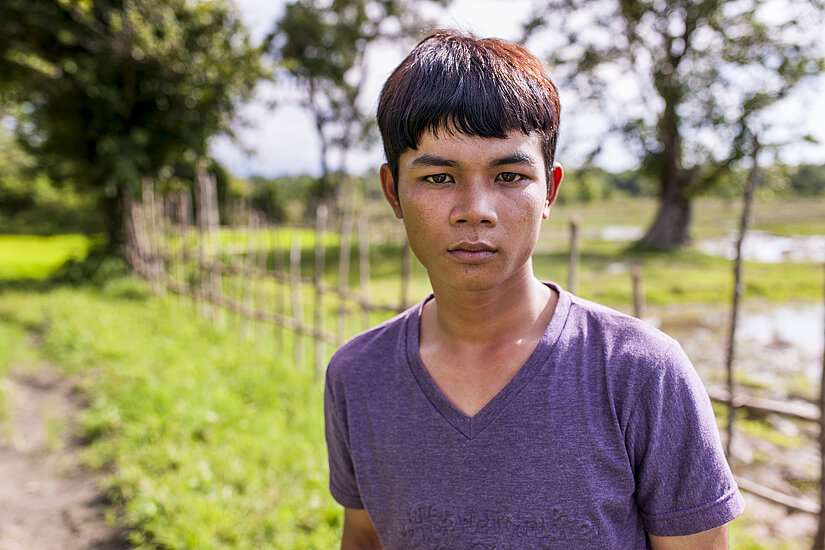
(605,433)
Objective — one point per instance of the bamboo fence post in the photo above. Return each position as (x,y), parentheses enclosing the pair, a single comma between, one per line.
(262,257)
(246,294)
(184,221)
(281,288)
(173,245)
(178,268)
(573,266)
(206,305)
(638,291)
(819,540)
(163,240)
(406,270)
(141,239)
(744,222)
(132,221)
(191,256)
(364,267)
(235,275)
(297,306)
(343,268)
(215,277)
(164,243)
(146,215)
(318,281)
(150,226)
(202,219)
(156,238)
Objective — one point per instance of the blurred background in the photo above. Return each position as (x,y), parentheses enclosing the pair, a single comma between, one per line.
(191,222)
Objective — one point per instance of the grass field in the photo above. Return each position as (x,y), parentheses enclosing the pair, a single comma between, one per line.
(37,257)
(212,441)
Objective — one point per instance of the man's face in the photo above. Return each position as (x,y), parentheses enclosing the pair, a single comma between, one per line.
(473,207)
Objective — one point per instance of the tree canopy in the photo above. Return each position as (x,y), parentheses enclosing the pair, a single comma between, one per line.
(107,92)
(686,83)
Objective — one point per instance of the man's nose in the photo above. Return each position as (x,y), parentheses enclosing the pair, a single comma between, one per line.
(474,204)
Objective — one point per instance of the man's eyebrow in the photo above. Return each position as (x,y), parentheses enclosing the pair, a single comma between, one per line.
(515,158)
(432,160)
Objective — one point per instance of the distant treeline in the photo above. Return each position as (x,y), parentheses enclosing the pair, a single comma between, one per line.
(284,198)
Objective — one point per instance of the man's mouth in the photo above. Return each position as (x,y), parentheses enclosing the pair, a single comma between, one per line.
(472,251)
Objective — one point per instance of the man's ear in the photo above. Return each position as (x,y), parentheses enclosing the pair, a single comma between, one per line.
(556,175)
(390,190)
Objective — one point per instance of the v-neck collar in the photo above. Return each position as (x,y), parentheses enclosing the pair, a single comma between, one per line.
(470,426)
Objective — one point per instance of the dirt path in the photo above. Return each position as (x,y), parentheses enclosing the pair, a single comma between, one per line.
(47,499)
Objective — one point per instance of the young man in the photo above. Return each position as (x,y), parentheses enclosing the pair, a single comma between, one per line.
(503,412)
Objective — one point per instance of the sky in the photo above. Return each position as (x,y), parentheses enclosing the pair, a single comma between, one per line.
(281,140)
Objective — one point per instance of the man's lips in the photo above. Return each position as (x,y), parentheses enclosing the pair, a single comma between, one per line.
(472,252)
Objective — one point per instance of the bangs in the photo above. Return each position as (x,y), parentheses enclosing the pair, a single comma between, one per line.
(485,88)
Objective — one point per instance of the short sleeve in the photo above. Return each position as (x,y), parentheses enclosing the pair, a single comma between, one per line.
(683,482)
(342,482)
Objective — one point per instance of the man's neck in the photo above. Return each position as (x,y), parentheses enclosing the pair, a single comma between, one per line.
(482,318)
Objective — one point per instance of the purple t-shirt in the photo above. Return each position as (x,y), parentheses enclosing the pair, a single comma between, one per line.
(605,434)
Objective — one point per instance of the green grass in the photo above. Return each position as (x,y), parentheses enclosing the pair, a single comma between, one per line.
(37,257)
(211,442)
(686,276)
(741,538)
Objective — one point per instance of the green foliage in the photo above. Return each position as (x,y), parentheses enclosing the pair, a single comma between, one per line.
(30,202)
(633,183)
(695,81)
(111,92)
(808,180)
(268,195)
(587,185)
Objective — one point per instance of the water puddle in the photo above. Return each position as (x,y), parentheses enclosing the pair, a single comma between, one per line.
(763,247)
(617,233)
(790,337)
(778,349)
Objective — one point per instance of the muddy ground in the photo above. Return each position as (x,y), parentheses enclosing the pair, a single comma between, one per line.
(48,500)
(778,354)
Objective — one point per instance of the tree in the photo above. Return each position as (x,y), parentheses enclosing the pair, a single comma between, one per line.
(31,203)
(808,180)
(322,45)
(113,91)
(697,77)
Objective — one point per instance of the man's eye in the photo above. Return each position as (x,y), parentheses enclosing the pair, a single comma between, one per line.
(510,177)
(438,178)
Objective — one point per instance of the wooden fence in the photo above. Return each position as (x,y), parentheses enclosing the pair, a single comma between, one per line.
(252,270)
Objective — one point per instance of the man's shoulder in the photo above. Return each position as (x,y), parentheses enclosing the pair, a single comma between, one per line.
(376,345)
(622,338)
(611,320)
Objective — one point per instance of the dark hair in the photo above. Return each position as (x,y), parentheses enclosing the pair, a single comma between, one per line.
(454,82)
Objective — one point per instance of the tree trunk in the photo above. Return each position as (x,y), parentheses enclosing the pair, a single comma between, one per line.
(671,226)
